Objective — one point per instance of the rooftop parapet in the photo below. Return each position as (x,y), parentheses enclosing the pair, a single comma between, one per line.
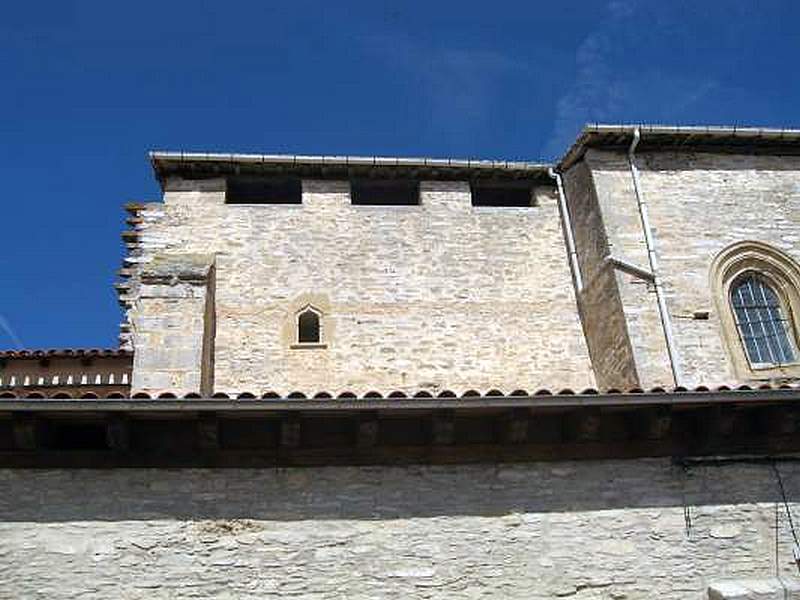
(206,165)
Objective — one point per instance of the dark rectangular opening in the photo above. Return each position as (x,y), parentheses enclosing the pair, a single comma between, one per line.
(546,429)
(249,434)
(502,193)
(164,436)
(322,432)
(264,190)
(615,427)
(384,192)
(404,431)
(6,435)
(474,430)
(76,436)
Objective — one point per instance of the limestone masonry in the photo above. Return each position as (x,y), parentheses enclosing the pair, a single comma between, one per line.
(621,529)
(365,377)
(441,293)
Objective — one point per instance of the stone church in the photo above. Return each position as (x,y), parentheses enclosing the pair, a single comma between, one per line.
(378,377)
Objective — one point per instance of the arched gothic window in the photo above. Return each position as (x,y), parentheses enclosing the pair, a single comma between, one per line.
(756,289)
(309,330)
(762,321)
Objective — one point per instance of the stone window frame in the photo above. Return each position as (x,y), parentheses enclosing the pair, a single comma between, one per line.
(782,273)
(297,344)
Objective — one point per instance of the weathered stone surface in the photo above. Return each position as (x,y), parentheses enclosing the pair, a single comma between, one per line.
(602,529)
(599,302)
(699,203)
(774,588)
(173,325)
(170,269)
(440,295)
(447,295)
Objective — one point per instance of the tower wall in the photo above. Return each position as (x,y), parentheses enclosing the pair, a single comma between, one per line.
(699,204)
(439,295)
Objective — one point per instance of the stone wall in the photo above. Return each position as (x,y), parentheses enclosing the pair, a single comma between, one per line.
(699,204)
(173,325)
(604,321)
(607,529)
(447,295)
(436,296)
(599,302)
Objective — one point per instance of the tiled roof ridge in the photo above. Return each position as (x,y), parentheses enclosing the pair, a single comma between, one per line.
(64,352)
(421,395)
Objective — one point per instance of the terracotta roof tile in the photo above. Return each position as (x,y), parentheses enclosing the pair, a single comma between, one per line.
(65,353)
(421,395)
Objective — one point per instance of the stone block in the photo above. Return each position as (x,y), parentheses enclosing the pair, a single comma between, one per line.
(773,588)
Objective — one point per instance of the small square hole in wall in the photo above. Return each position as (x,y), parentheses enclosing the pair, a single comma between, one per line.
(502,193)
(264,190)
(384,192)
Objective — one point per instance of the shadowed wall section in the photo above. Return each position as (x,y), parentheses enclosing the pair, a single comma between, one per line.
(621,529)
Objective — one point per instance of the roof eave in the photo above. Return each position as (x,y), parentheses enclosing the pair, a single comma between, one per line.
(571,401)
(165,163)
(722,138)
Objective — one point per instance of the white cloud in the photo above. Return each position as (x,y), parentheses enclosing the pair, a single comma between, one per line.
(458,86)
(613,84)
(6,327)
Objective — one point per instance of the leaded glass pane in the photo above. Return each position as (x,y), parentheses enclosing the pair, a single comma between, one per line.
(762,325)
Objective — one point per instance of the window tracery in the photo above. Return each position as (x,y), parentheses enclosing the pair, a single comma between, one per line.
(762,321)
(755,288)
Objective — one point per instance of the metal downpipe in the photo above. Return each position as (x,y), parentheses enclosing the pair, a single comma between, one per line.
(566,225)
(666,322)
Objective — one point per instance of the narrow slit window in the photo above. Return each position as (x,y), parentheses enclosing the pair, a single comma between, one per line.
(264,190)
(384,192)
(502,193)
(308,328)
(762,321)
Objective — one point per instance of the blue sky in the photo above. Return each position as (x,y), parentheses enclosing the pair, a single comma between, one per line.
(89,87)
